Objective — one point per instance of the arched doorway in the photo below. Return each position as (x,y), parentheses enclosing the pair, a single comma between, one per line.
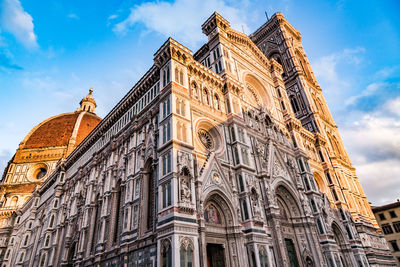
(219,232)
(340,241)
(288,211)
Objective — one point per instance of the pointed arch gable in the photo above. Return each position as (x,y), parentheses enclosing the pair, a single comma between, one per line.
(210,184)
(222,202)
(256,89)
(287,194)
(278,166)
(320,182)
(338,234)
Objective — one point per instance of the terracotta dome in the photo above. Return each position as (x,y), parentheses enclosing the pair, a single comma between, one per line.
(58,136)
(58,130)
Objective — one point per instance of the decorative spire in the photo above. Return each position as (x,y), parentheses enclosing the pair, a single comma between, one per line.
(88,103)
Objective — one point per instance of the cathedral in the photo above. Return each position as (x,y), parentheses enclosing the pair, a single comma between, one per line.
(228,156)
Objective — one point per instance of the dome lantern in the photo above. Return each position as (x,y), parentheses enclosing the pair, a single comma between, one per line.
(88,103)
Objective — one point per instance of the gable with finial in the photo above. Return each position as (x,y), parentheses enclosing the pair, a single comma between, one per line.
(278,168)
(215,179)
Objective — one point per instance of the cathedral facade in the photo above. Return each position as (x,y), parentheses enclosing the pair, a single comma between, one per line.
(225,157)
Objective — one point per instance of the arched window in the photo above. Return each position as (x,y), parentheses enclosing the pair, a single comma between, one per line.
(320,228)
(295,105)
(263,257)
(177,75)
(184,133)
(21,257)
(178,105)
(166,254)
(206,97)
(51,221)
(183,108)
(26,240)
(8,254)
(43,261)
(181,77)
(47,241)
(195,92)
(178,130)
(119,198)
(313,206)
(186,255)
(233,136)
(14,201)
(217,104)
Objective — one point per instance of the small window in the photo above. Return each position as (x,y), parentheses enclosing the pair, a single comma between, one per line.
(233,136)
(396,226)
(301,164)
(394,245)
(51,221)
(387,229)
(349,232)
(47,241)
(382,216)
(335,196)
(328,176)
(321,157)
(166,163)
(245,210)
(241,184)
(26,240)
(313,206)
(21,257)
(392,214)
(320,228)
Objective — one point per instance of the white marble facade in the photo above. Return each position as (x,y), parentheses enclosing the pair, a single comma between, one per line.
(203,163)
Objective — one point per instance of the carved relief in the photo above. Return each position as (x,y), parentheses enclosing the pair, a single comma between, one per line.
(278,169)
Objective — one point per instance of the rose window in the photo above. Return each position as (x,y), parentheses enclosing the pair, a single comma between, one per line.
(206,139)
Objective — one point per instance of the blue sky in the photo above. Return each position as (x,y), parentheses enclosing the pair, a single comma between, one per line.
(51,52)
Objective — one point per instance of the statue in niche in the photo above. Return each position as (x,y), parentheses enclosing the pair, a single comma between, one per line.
(304,203)
(254,201)
(185,190)
(261,151)
(185,185)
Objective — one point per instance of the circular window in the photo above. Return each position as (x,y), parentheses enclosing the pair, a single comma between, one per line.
(206,139)
(38,172)
(41,173)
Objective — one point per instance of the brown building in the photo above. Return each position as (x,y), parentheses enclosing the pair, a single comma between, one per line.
(388,217)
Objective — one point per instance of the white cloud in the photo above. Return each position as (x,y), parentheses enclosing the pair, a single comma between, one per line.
(15,20)
(326,67)
(371,89)
(373,143)
(393,106)
(180,19)
(111,17)
(73,16)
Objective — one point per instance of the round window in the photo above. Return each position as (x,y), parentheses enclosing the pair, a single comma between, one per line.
(41,173)
(206,139)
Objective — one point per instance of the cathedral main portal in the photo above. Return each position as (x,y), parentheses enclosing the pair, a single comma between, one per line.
(215,255)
